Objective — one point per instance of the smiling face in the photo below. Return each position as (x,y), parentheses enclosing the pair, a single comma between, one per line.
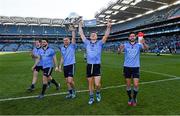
(44,43)
(132,37)
(66,41)
(93,36)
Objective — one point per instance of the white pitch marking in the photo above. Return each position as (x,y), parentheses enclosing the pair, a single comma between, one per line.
(158,73)
(81,91)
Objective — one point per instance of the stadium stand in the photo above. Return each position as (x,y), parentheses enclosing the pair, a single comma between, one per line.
(161,29)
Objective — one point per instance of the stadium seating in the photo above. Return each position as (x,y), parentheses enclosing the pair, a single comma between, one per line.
(161,29)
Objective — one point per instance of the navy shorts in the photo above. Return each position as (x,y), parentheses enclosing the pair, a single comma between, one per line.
(69,70)
(93,70)
(47,71)
(38,68)
(131,72)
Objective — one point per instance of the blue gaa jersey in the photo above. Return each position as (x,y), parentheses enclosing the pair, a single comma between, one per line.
(47,57)
(68,54)
(93,51)
(132,54)
(35,52)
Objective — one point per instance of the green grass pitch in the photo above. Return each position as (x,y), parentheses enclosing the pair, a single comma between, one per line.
(155,96)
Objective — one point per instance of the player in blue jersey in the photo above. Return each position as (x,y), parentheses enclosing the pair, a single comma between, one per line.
(48,57)
(38,67)
(93,51)
(131,69)
(68,61)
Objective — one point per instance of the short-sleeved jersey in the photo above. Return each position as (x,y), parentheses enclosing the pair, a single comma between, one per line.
(35,52)
(47,57)
(132,54)
(68,54)
(93,51)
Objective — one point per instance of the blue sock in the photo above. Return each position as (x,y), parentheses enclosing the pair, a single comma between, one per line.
(91,94)
(128,89)
(74,91)
(32,86)
(97,91)
(70,91)
(135,92)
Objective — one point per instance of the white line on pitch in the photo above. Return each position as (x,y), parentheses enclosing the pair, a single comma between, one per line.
(158,73)
(81,91)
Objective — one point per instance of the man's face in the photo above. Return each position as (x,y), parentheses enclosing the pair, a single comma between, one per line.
(93,36)
(44,43)
(132,37)
(66,41)
(37,44)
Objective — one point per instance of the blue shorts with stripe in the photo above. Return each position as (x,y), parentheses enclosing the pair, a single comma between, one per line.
(93,70)
(47,71)
(69,70)
(131,72)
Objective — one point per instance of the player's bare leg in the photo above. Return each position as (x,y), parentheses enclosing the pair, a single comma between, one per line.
(71,87)
(91,89)
(135,90)
(45,82)
(97,80)
(34,80)
(128,89)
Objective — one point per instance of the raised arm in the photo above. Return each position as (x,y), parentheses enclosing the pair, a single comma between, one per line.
(55,62)
(108,30)
(72,28)
(73,37)
(81,31)
(145,46)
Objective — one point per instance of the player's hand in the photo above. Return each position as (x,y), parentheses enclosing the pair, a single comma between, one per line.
(72,28)
(60,70)
(121,47)
(56,69)
(33,68)
(32,55)
(142,41)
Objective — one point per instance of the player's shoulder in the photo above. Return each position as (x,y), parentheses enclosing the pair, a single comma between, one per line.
(34,49)
(99,41)
(72,45)
(87,40)
(125,44)
(51,49)
(61,46)
(140,44)
(40,50)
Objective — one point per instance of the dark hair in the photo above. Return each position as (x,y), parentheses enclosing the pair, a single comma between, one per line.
(132,33)
(66,37)
(38,40)
(46,40)
(94,32)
